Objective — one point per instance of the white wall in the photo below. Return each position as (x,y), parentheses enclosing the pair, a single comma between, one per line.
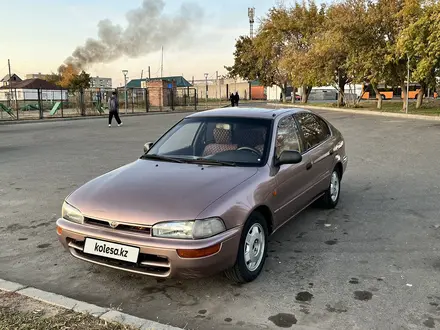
(273,93)
(32,95)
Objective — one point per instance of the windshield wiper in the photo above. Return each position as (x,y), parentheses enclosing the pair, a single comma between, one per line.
(162,158)
(205,161)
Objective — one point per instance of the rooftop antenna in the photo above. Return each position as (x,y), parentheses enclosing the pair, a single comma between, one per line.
(251,15)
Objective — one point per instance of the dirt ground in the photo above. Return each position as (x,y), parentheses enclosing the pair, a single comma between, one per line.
(18,312)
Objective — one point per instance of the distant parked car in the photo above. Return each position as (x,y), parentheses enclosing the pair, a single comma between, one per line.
(205,197)
(297,97)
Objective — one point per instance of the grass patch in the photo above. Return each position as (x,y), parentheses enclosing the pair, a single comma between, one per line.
(23,313)
(429,107)
(13,319)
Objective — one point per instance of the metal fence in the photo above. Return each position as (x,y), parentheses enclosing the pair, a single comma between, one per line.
(25,104)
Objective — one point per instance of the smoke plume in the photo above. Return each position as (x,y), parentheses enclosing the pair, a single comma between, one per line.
(147,30)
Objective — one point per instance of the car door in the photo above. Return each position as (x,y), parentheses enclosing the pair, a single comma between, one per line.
(291,179)
(319,149)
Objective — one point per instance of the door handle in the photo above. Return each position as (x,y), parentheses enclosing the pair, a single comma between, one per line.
(309,166)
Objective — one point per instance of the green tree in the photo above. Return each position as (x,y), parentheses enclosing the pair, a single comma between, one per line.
(244,60)
(335,41)
(259,58)
(420,42)
(300,28)
(80,82)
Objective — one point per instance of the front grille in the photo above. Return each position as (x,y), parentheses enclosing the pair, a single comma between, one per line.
(147,264)
(106,224)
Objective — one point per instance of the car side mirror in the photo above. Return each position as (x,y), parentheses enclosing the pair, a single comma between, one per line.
(147,146)
(289,157)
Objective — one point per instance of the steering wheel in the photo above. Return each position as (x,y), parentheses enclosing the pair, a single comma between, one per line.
(255,151)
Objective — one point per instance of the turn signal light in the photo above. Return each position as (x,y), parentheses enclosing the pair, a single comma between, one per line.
(59,230)
(198,253)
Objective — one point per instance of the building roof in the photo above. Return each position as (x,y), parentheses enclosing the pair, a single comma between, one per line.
(32,84)
(6,78)
(180,81)
(262,113)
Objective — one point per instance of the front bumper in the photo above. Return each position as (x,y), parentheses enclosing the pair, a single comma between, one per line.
(157,256)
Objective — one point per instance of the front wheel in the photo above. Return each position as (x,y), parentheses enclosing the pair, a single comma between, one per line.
(331,196)
(251,250)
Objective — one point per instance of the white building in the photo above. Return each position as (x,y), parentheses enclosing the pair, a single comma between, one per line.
(100,82)
(27,90)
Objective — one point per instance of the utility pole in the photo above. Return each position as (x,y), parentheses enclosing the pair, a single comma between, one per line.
(216,85)
(10,83)
(206,84)
(161,65)
(407,86)
(142,74)
(149,73)
(125,89)
(251,15)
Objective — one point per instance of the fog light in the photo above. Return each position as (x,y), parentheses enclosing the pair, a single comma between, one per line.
(59,230)
(199,253)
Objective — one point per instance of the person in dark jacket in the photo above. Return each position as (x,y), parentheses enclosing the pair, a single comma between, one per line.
(237,98)
(113,107)
(232,99)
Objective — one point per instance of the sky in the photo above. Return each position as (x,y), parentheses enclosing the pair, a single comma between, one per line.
(39,35)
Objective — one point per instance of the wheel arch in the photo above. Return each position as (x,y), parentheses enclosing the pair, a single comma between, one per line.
(266,212)
(340,169)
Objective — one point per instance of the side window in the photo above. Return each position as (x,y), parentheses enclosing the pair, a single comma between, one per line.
(314,129)
(287,136)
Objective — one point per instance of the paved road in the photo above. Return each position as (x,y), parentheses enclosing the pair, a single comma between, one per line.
(376,267)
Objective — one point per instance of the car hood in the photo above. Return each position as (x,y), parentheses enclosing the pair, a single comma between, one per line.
(146,192)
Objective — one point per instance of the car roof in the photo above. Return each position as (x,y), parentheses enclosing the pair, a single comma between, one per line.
(260,113)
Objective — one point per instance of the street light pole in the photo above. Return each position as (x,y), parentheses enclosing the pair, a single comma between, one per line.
(407,86)
(206,84)
(124,72)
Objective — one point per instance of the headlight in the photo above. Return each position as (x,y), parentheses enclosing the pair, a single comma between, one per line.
(195,229)
(70,213)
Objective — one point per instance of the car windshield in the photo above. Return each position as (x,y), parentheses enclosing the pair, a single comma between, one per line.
(215,141)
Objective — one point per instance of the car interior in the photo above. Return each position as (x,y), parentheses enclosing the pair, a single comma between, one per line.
(233,141)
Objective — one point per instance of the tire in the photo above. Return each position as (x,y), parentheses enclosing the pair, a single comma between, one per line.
(331,196)
(242,271)
(383,97)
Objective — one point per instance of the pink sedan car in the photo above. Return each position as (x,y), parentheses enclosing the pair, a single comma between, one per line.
(205,197)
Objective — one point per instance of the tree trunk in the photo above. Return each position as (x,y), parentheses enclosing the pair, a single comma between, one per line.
(283,94)
(305,93)
(378,97)
(403,86)
(293,94)
(420,97)
(341,97)
(82,103)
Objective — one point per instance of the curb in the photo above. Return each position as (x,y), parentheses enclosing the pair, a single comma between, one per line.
(51,120)
(105,314)
(362,112)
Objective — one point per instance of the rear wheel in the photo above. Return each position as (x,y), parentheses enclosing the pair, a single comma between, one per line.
(382,96)
(331,196)
(251,251)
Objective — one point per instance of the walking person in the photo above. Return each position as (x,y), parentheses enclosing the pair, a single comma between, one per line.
(232,99)
(113,107)
(237,98)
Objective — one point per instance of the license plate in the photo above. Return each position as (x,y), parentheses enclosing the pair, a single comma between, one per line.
(111,250)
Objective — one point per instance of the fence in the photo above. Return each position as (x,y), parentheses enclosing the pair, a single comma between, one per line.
(22,104)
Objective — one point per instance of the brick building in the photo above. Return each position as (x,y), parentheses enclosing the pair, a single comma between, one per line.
(161,93)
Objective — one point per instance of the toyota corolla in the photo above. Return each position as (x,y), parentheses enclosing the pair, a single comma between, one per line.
(205,197)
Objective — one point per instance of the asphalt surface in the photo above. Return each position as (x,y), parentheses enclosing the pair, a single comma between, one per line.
(372,263)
